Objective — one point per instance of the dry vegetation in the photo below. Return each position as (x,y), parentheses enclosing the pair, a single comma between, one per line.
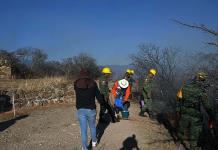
(31,85)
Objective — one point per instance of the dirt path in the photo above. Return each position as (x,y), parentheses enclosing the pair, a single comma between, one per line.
(58,129)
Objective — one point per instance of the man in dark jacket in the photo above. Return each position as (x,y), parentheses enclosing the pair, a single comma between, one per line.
(86,91)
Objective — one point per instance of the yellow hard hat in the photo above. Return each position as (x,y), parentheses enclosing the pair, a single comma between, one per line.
(132,71)
(128,71)
(106,70)
(201,75)
(153,71)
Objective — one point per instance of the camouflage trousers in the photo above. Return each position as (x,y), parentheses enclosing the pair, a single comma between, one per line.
(145,104)
(193,126)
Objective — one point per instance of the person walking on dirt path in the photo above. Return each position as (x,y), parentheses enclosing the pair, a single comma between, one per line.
(86,90)
(121,92)
(145,98)
(104,90)
(192,98)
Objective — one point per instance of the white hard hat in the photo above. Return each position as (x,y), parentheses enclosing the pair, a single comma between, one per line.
(123,83)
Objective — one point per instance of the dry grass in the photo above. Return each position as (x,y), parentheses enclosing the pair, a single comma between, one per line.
(30,85)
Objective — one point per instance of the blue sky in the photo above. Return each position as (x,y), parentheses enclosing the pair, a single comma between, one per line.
(109,30)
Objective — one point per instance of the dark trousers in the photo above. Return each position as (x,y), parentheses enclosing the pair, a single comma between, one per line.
(107,107)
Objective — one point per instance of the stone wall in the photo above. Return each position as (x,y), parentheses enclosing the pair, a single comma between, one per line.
(5,72)
(47,95)
(5,69)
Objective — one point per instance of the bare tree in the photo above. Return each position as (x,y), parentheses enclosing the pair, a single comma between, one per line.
(69,67)
(165,61)
(203,28)
(24,55)
(73,65)
(53,68)
(39,58)
(84,60)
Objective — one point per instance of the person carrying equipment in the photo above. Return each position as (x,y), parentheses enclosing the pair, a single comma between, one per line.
(121,92)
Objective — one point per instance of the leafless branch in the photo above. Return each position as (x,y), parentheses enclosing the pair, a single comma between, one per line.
(201,27)
(212,43)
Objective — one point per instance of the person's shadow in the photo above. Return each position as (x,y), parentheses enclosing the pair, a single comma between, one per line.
(6,124)
(130,143)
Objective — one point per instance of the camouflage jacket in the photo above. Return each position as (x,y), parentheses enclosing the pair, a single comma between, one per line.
(193,98)
(130,80)
(103,86)
(147,87)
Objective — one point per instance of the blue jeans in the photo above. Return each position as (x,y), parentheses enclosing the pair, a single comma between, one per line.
(87,116)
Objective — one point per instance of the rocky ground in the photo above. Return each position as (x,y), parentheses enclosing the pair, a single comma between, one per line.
(58,129)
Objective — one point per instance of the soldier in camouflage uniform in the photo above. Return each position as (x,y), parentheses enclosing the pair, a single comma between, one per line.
(128,76)
(145,98)
(104,90)
(215,109)
(191,98)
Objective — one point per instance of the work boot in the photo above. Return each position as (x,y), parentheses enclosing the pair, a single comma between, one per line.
(117,118)
(94,144)
(113,119)
(151,115)
(141,113)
